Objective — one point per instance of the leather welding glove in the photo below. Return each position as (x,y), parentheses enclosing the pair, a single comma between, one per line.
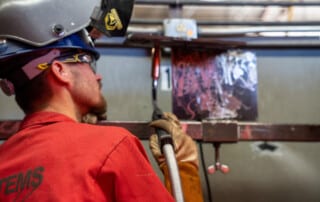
(186,156)
(95,115)
(184,146)
(90,118)
(93,118)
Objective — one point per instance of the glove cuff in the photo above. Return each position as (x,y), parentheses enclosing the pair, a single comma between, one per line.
(190,181)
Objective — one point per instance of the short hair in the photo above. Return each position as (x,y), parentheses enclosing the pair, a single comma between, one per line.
(30,95)
(34,94)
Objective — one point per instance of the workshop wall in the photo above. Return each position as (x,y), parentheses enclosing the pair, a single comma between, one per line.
(288,92)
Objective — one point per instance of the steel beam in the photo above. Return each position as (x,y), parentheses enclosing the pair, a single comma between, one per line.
(210,131)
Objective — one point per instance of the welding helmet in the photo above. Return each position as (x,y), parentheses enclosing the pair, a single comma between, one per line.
(29,28)
(42,22)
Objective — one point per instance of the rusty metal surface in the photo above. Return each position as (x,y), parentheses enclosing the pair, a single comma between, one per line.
(283,132)
(210,131)
(143,131)
(208,85)
(140,129)
(226,131)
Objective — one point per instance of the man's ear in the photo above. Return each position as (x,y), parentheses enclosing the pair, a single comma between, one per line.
(60,71)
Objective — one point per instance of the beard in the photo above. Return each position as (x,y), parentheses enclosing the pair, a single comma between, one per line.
(86,92)
(97,113)
(100,109)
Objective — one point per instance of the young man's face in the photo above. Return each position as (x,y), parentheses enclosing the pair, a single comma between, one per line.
(86,89)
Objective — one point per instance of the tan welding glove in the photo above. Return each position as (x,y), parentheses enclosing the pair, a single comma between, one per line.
(186,155)
(96,114)
(90,118)
(93,118)
(184,146)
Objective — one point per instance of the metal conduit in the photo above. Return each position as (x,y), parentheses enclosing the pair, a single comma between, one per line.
(237,31)
(232,31)
(228,23)
(225,3)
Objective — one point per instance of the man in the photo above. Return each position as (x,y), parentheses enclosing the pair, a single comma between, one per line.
(55,157)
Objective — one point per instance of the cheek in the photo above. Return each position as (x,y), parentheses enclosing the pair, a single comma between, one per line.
(88,77)
(85,80)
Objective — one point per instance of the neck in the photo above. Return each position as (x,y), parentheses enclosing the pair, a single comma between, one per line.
(62,103)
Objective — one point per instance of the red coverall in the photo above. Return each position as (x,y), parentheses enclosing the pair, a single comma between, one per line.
(53,158)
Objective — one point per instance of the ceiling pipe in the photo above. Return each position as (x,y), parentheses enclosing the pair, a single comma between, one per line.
(229,23)
(247,30)
(225,3)
(231,31)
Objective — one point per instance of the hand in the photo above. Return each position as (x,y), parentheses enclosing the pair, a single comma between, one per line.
(185,148)
(90,118)
(96,114)
(93,118)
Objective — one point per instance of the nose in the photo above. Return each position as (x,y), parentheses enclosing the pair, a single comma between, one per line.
(98,77)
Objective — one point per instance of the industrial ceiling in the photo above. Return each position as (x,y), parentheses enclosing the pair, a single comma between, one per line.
(227,17)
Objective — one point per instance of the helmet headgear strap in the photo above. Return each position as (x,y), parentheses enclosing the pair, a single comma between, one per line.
(36,66)
(30,70)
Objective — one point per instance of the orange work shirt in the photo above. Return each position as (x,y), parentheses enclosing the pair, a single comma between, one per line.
(54,158)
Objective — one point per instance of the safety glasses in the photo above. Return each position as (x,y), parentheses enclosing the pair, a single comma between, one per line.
(79,58)
(73,58)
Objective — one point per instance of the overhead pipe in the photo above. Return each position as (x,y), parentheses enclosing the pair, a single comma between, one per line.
(229,23)
(232,31)
(225,3)
(247,30)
